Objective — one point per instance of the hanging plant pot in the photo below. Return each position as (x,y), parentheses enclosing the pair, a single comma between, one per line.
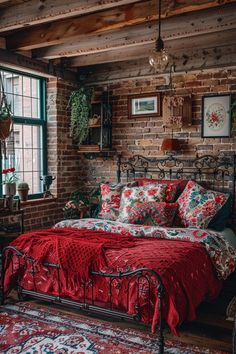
(5,128)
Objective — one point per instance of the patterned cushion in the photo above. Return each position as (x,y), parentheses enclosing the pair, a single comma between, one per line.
(197,205)
(174,187)
(111,195)
(130,196)
(153,213)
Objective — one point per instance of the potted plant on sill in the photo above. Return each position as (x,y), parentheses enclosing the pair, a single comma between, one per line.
(9,182)
(80,104)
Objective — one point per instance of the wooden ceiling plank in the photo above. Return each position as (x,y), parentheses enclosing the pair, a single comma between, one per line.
(197,60)
(37,12)
(182,26)
(68,29)
(144,50)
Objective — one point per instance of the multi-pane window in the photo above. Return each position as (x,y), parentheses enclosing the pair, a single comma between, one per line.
(26,148)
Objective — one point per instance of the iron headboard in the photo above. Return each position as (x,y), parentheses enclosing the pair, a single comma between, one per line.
(214,172)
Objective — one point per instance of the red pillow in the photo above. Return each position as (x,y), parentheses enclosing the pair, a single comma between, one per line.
(174,189)
(153,213)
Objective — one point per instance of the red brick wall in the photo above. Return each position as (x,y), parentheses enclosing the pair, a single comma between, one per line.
(130,136)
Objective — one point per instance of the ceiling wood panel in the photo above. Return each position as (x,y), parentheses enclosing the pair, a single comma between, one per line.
(182,26)
(110,37)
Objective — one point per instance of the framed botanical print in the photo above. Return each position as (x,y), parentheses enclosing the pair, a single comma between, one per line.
(145,105)
(216,116)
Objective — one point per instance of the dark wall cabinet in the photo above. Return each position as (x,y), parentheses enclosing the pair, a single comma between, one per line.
(100,127)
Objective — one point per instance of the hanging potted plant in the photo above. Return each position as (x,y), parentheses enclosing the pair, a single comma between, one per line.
(80,104)
(5,114)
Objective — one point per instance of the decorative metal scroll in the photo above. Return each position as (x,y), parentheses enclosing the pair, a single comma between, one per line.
(12,258)
(215,172)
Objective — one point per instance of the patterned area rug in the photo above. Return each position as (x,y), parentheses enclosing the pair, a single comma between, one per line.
(32,329)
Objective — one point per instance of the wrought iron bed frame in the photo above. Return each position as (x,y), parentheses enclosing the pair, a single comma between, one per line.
(217,171)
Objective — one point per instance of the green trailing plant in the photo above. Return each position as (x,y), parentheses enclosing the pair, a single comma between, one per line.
(80,105)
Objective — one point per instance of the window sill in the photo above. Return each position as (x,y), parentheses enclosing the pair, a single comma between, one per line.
(37,201)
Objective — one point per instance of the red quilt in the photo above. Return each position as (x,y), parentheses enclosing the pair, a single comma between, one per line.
(185,267)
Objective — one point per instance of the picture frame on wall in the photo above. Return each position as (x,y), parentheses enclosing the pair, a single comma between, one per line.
(144,105)
(216,116)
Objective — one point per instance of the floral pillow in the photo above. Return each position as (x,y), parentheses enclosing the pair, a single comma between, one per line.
(174,187)
(153,213)
(111,195)
(130,196)
(197,205)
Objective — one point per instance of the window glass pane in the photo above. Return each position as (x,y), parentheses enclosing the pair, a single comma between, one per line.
(27,106)
(17,106)
(35,108)
(26,86)
(25,151)
(35,88)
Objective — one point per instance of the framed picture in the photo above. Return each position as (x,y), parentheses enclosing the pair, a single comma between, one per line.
(145,105)
(216,116)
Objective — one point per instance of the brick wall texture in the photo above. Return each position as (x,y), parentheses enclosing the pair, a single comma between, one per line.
(130,136)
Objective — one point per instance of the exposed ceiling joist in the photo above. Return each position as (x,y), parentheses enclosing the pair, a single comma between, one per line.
(66,30)
(117,35)
(182,26)
(192,60)
(38,67)
(143,50)
(37,12)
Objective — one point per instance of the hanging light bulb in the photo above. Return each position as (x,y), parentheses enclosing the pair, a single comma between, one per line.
(159,58)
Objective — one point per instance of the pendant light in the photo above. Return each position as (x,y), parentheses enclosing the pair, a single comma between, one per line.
(159,58)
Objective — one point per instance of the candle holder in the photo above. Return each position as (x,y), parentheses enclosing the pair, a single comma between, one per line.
(47,181)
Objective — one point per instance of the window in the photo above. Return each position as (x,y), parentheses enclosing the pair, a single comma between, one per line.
(25,149)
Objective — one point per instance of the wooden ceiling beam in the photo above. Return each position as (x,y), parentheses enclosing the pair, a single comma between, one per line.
(10,59)
(36,12)
(39,11)
(191,60)
(66,30)
(62,31)
(182,26)
(144,50)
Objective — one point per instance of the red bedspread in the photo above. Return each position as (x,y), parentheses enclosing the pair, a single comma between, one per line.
(185,268)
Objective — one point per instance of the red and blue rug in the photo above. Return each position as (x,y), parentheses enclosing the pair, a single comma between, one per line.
(31,329)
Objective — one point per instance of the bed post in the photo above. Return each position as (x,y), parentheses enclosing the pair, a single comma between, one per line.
(2,278)
(118,172)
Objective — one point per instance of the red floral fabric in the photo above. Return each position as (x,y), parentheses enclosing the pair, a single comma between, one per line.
(174,187)
(185,268)
(111,196)
(197,205)
(153,213)
(131,196)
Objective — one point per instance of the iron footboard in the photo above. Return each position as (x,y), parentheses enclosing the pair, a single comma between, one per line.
(16,259)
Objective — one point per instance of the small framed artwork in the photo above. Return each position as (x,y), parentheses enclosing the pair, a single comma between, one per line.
(216,116)
(145,105)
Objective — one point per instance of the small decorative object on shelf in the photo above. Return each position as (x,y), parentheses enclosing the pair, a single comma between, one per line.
(23,190)
(47,181)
